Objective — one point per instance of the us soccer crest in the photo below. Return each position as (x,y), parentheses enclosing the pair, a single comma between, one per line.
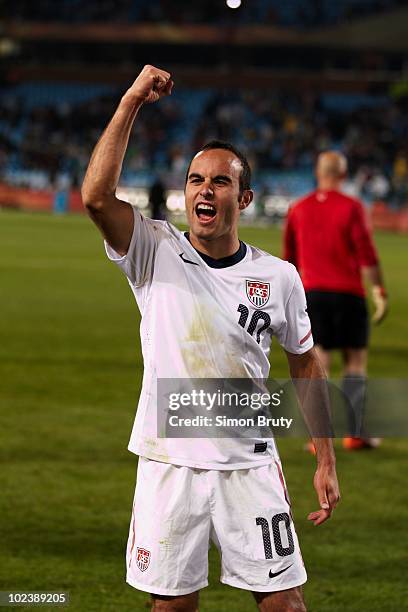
(143,559)
(257,292)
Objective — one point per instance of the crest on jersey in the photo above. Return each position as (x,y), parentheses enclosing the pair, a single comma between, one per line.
(257,292)
(143,559)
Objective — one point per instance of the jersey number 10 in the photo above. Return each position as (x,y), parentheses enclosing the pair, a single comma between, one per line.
(283,551)
(257,316)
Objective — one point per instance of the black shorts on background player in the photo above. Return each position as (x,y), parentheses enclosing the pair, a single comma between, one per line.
(339,320)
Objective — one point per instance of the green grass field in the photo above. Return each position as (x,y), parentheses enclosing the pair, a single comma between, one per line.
(71,369)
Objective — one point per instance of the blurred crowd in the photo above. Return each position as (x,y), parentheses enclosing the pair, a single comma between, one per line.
(286,132)
(301,13)
(51,146)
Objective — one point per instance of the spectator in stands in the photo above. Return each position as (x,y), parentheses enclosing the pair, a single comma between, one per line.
(157,200)
(400,179)
(282,131)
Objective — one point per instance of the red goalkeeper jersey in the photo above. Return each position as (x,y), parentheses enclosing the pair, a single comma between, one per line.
(328,240)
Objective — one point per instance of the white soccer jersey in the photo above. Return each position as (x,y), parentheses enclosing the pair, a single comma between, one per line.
(205,322)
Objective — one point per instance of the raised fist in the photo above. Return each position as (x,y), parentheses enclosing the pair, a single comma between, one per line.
(151,85)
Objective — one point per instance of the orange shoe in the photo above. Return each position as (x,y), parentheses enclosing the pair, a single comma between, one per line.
(352,444)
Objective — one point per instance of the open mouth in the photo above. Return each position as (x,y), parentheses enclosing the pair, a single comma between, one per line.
(205,211)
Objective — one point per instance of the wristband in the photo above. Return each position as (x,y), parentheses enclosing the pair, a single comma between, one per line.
(381,290)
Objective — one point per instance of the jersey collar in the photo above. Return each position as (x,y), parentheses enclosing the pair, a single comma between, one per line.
(223,262)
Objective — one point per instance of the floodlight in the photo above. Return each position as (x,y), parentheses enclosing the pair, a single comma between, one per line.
(233,4)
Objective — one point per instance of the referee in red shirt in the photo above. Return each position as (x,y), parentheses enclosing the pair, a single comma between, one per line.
(327,239)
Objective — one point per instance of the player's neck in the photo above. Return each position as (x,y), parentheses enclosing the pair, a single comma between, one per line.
(224,246)
(329,184)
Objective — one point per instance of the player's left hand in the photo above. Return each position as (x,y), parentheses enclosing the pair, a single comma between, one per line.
(327,488)
(380,303)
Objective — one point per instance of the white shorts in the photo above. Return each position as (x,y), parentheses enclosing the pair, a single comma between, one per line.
(177,510)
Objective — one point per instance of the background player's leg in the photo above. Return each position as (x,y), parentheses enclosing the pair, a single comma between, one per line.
(290,600)
(354,388)
(355,361)
(181,603)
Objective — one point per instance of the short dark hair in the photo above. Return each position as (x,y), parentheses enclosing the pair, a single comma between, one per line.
(245,176)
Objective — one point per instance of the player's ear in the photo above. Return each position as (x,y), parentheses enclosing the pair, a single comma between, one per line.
(246,198)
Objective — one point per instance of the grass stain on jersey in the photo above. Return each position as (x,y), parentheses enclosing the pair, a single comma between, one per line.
(204,353)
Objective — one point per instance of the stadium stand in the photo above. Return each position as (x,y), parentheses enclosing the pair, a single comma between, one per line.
(47,132)
(279,79)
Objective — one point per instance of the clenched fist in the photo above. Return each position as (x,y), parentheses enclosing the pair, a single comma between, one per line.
(151,85)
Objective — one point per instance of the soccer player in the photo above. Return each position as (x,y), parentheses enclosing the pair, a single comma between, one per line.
(210,304)
(327,239)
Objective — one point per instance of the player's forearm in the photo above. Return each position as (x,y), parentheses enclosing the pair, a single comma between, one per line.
(316,409)
(310,382)
(317,414)
(374,275)
(324,451)
(379,294)
(305,366)
(105,166)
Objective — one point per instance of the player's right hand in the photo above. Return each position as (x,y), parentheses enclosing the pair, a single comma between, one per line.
(151,85)
(328,493)
(380,303)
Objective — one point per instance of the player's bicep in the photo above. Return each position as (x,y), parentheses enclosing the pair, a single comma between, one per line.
(137,262)
(115,220)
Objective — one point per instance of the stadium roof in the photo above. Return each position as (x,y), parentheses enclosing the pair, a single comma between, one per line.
(384,31)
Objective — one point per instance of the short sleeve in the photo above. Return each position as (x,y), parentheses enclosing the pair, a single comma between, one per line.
(138,263)
(295,335)
(361,237)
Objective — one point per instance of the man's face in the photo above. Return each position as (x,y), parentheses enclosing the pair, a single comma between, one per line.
(213,200)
